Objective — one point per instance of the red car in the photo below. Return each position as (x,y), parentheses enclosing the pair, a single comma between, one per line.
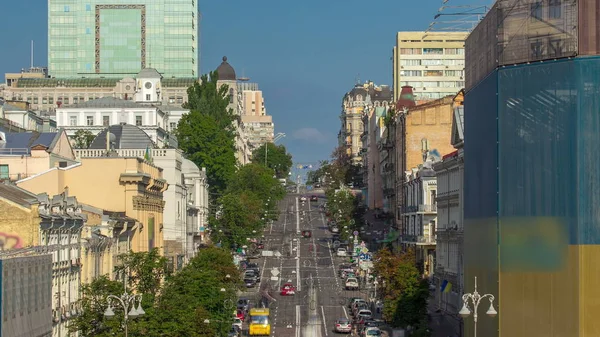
(288,289)
(240,314)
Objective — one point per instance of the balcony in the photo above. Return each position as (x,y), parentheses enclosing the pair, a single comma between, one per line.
(419,239)
(421,208)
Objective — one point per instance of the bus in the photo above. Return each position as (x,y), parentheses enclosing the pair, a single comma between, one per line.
(259,322)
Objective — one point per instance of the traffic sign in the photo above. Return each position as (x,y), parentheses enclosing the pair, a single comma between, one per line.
(352,222)
(364,250)
(355,233)
(362,256)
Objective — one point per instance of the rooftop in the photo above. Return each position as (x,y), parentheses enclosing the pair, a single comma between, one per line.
(174,82)
(27,140)
(123,136)
(17,195)
(226,71)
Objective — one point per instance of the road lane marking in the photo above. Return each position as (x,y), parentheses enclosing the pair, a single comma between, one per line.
(345,312)
(324,321)
(298,321)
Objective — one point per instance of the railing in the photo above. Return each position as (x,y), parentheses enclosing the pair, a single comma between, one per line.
(14,152)
(427,208)
(140,153)
(426,239)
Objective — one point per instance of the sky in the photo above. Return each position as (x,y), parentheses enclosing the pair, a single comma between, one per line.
(304,55)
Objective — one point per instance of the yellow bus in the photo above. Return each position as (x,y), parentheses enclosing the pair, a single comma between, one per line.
(259,322)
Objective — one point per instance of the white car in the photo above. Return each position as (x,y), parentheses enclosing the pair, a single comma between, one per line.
(341,252)
(237,322)
(302,198)
(351,283)
(371,331)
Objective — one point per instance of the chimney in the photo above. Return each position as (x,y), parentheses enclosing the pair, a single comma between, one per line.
(407,98)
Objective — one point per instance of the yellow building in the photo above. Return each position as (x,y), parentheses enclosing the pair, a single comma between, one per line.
(20,226)
(129,187)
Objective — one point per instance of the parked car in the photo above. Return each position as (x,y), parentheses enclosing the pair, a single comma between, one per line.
(249,273)
(234,332)
(306,234)
(243,304)
(241,314)
(352,300)
(351,283)
(364,314)
(302,198)
(341,252)
(314,198)
(254,267)
(288,289)
(343,325)
(335,229)
(250,282)
(371,331)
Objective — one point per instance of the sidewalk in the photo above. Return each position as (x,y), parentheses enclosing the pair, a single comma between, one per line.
(375,225)
(441,324)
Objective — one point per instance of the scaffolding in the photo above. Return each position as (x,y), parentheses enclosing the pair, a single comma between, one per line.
(520,31)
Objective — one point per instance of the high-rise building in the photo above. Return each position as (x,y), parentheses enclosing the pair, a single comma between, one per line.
(432,63)
(107,38)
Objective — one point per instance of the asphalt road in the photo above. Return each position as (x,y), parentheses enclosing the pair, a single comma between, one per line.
(310,264)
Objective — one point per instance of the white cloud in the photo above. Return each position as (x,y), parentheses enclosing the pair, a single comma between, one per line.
(310,135)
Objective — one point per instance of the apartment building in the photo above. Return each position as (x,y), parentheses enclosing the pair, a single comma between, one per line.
(433,63)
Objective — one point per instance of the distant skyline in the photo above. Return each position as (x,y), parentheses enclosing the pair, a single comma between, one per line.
(304,55)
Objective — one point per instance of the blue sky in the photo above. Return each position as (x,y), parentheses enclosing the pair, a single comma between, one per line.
(303,54)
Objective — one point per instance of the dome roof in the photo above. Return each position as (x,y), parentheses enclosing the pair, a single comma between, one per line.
(188,166)
(225,71)
(123,136)
(358,90)
(149,73)
(407,98)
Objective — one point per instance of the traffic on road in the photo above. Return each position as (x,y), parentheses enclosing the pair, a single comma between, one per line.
(305,280)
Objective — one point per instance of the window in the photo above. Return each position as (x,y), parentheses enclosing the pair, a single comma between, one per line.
(89,120)
(536,49)
(536,11)
(455,51)
(410,62)
(433,62)
(4,171)
(555,9)
(88,30)
(105,120)
(411,51)
(138,120)
(410,73)
(67,9)
(35,100)
(148,97)
(173,125)
(433,73)
(73,120)
(230,95)
(437,51)
(179,99)
(454,73)
(171,99)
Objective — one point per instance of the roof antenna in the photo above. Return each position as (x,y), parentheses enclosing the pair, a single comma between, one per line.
(243,78)
(31,67)
(357,78)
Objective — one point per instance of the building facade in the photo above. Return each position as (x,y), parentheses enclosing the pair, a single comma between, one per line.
(47,94)
(530,194)
(26,285)
(19,114)
(449,271)
(367,95)
(140,182)
(433,63)
(422,131)
(420,215)
(25,154)
(258,126)
(100,38)
(187,193)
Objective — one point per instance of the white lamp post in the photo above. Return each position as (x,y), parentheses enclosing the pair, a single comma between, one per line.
(127,302)
(476,298)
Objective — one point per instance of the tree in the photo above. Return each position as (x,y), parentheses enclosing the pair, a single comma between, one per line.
(404,292)
(278,159)
(207,133)
(208,145)
(146,270)
(259,180)
(91,322)
(83,139)
(241,214)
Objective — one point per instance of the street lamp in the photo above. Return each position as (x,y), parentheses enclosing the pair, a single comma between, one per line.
(475,298)
(127,302)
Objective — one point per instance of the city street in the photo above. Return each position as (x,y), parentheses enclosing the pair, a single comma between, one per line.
(308,263)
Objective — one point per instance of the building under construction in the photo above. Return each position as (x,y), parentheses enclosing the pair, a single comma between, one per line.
(532,171)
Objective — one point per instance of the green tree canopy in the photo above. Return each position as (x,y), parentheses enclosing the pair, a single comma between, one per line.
(277,158)
(257,179)
(83,139)
(241,214)
(207,133)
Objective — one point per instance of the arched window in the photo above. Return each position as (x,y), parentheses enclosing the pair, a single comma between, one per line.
(231,93)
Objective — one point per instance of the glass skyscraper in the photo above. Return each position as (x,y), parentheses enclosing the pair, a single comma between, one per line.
(108,38)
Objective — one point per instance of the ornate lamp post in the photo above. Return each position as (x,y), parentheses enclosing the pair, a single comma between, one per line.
(476,298)
(127,302)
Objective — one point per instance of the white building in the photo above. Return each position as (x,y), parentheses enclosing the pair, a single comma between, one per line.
(60,234)
(20,116)
(449,239)
(27,274)
(420,215)
(433,63)
(187,195)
